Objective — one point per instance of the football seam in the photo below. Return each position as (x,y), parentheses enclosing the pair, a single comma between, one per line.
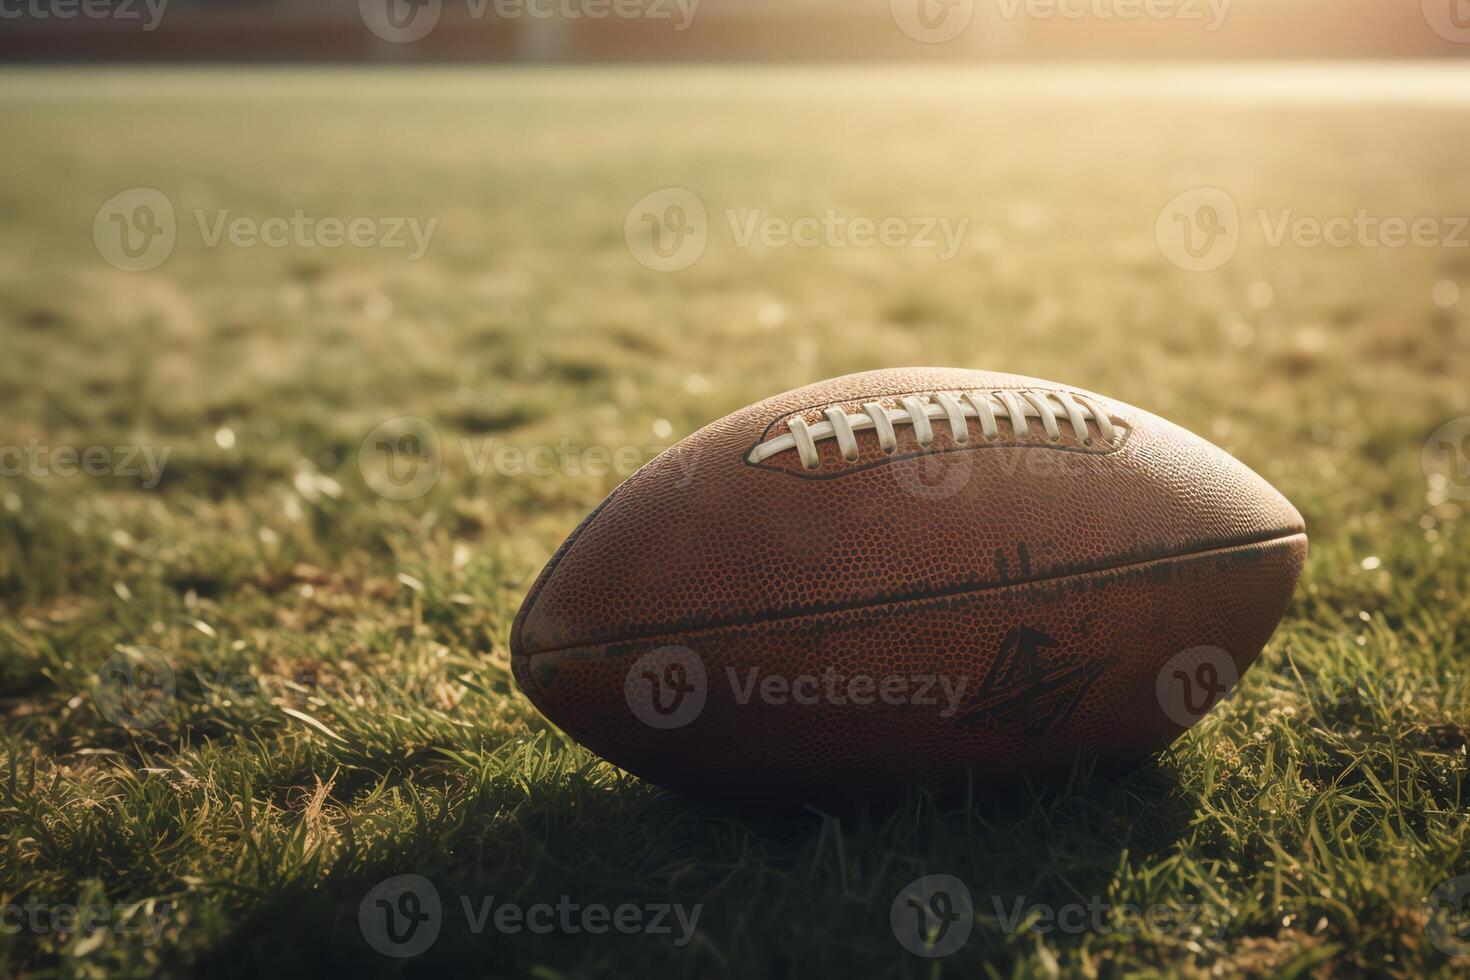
(852,468)
(775,616)
(1090,400)
(815,406)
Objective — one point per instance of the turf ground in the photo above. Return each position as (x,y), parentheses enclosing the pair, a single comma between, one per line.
(343,710)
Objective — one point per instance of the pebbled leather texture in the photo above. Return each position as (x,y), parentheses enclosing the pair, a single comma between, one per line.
(938,561)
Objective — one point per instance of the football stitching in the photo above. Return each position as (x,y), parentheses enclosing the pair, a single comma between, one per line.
(956,410)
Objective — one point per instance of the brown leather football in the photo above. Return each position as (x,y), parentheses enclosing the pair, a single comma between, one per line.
(908,575)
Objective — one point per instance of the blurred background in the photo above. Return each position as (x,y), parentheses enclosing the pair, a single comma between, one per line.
(259,260)
(726,30)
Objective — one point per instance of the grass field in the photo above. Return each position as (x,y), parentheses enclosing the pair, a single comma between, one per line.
(342,708)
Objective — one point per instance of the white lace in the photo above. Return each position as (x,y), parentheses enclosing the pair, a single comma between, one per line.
(955,410)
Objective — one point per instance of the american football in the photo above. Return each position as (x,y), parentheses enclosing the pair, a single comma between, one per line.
(908,576)
(472,502)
